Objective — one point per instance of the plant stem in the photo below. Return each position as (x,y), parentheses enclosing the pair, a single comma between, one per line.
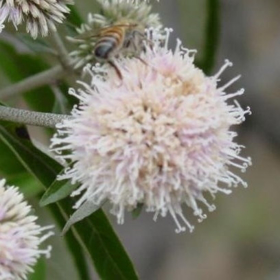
(31,117)
(60,99)
(62,52)
(44,78)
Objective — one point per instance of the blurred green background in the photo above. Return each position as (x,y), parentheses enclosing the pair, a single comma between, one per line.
(241,239)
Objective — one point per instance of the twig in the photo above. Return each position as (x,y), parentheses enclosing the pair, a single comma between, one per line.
(47,77)
(60,99)
(31,117)
(62,52)
(44,78)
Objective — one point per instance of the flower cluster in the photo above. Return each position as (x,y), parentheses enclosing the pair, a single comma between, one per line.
(39,15)
(20,236)
(133,1)
(113,12)
(159,137)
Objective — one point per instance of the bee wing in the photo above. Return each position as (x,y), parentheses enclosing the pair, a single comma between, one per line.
(125,25)
(92,34)
(89,34)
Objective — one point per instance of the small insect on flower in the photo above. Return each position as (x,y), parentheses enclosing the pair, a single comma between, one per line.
(130,18)
(124,37)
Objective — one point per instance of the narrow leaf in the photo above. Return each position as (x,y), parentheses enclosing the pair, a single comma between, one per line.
(74,17)
(15,173)
(44,169)
(39,271)
(82,212)
(28,185)
(57,191)
(18,66)
(108,255)
(212,31)
(95,232)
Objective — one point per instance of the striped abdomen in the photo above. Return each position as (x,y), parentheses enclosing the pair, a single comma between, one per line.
(110,41)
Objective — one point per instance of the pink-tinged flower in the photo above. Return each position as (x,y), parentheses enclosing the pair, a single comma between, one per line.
(159,137)
(20,236)
(39,15)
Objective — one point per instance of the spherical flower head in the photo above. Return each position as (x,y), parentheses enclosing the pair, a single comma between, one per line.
(159,137)
(39,15)
(114,12)
(132,1)
(137,11)
(20,235)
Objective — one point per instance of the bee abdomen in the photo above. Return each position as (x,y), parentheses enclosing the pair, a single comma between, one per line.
(105,47)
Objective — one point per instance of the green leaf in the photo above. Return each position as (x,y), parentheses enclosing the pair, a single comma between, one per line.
(57,191)
(39,271)
(108,254)
(44,169)
(95,232)
(74,246)
(17,139)
(85,210)
(137,211)
(28,185)
(15,173)
(211,41)
(18,66)
(8,162)
(74,17)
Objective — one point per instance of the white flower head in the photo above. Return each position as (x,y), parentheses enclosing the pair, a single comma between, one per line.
(20,235)
(159,137)
(114,13)
(132,1)
(39,15)
(137,11)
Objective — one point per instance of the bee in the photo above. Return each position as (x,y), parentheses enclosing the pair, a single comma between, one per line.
(122,37)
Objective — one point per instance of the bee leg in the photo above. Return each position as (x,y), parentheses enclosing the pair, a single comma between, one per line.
(118,72)
(146,63)
(143,61)
(140,34)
